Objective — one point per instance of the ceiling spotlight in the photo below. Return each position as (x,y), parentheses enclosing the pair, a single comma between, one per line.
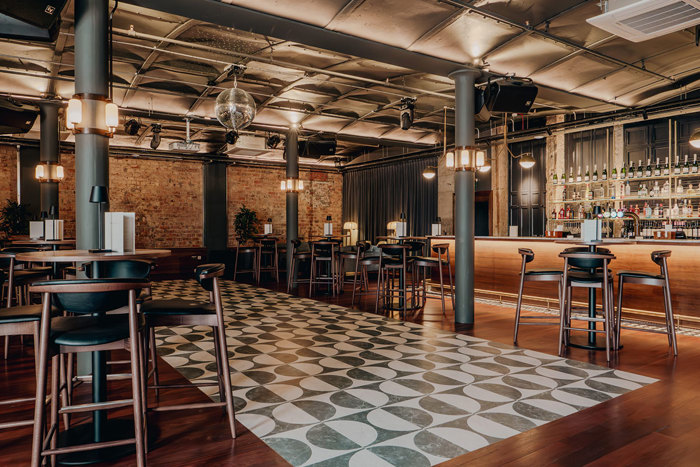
(549,131)
(645,115)
(429,173)
(155,140)
(526,160)
(231,137)
(132,127)
(695,139)
(272,141)
(408,105)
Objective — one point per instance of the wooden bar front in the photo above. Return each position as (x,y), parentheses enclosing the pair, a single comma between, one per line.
(497,268)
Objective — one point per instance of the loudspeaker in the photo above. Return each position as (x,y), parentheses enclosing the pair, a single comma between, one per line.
(481,113)
(316,148)
(510,96)
(38,20)
(16,117)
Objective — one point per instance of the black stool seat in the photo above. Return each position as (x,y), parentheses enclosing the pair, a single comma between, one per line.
(542,272)
(585,276)
(641,274)
(89,330)
(20,314)
(425,259)
(177,306)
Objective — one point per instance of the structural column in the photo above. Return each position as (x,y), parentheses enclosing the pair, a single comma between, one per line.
(464,198)
(292,155)
(91,81)
(48,151)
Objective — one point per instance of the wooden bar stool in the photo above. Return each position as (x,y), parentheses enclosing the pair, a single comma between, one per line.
(428,263)
(296,258)
(656,280)
(267,249)
(394,265)
(92,331)
(179,312)
(323,252)
(364,262)
(587,270)
(252,250)
(534,275)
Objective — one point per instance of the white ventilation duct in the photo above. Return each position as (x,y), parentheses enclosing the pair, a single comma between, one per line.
(641,20)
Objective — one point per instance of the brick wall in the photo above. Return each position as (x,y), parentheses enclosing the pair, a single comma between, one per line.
(259,189)
(8,173)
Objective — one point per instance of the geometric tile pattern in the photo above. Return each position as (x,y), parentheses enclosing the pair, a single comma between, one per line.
(325,385)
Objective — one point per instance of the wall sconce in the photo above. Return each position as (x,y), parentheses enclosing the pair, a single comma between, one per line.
(292,185)
(465,158)
(49,172)
(75,115)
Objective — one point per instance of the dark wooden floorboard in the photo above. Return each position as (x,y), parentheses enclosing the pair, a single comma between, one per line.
(655,425)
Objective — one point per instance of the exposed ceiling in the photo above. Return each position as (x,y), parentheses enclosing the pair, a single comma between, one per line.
(341,67)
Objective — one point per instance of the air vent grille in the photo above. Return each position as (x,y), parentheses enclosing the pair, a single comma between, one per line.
(659,19)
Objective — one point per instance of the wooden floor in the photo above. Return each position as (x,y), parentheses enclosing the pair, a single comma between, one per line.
(656,425)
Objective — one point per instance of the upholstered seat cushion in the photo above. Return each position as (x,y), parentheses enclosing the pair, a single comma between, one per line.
(89,330)
(542,272)
(177,306)
(428,259)
(585,276)
(20,314)
(640,274)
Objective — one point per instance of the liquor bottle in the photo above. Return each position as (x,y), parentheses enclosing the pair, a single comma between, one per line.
(605,172)
(679,188)
(554,214)
(578,176)
(654,213)
(568,212)
(677,167)
(555,179)
(631,172)
(623,172)
(675,210)
(595,173)
(666,169)
(571,175)
(640,169)
(686,165)
(563,177)
(694,169)
(647,172)
(561,213)
(587,177)
(628,189)
(613,174)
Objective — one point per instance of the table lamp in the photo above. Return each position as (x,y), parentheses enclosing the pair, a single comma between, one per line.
(98,195)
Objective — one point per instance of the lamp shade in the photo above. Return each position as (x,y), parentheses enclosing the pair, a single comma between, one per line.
(527,161)
(98,194)
(695,139)
(350,225)
(429,173)
(52,210)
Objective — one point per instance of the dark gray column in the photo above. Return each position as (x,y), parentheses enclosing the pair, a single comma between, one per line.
(292,154)
(464,199)
(91,150)
(48,151)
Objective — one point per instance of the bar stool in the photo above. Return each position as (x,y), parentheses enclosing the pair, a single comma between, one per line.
(179,312)
(94,331)
(324,252)
(587,270)
(20,278)
(267,249)
(428,263)
(252,250)
(354,254)
(534,275)
(394,264)
(365,261)
(297,256)
(646,278)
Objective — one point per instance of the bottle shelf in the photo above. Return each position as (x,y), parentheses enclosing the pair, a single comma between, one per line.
(631,198)
(608,219)
(632,179)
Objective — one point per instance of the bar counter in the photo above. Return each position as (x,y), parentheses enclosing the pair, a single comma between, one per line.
(497,268)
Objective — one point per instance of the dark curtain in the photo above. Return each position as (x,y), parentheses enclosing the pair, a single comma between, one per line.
(375,196)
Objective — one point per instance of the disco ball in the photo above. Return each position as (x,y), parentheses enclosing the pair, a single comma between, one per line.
(235,108)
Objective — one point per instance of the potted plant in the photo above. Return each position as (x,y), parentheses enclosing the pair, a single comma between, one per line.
(246,224)
(14,219)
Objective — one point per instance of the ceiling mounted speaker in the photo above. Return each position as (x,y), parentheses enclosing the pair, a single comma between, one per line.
(15,117)
(481,113)
(512,96)
(38,20)
(316,149)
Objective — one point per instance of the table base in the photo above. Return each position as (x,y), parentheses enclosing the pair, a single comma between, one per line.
(581,342)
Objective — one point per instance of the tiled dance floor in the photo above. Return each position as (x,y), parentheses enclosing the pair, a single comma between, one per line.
(325,385)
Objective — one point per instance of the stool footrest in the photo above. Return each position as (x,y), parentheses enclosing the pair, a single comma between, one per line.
(16,424)
(202,405)
(88,447)
(92,406)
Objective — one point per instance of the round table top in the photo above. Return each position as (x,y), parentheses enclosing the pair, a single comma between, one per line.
(39,241)
(77,256)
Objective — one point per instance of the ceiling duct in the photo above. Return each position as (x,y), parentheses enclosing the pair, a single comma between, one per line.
(641,20)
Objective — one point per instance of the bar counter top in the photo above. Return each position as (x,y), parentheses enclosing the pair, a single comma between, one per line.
(497,272)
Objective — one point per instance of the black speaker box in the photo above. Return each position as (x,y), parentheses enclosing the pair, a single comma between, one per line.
(481,113)
(16,117)
(38,20)
(510,96)
(316,149)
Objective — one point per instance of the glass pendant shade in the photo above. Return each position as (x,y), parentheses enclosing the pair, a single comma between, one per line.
(74,113)
(235,108)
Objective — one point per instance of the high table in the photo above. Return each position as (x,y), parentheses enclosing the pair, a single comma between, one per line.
(101,429)
(593,247)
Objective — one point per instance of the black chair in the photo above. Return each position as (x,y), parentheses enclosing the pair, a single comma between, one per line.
(179,312)
(296,258)
(428,263)
(89,330)
(249,250)
(535,275)
(362,265)
(324,253)
(394,265)
(656,280)
(587,270)
(267,250)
